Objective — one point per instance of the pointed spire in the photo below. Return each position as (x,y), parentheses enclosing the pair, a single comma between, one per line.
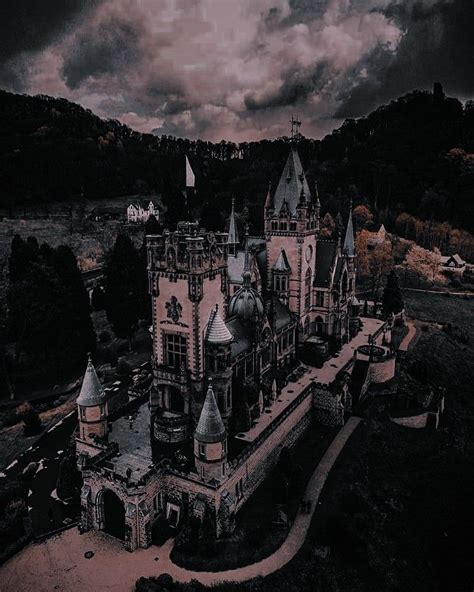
(316,194)
(349,243)
(217,332)
(92,393)
(233,237)
(302,196)
(246,273)
(268,199)
(210,427)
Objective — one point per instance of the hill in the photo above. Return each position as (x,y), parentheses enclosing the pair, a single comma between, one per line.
(413,155)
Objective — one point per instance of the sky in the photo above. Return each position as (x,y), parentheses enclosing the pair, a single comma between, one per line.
(235,69)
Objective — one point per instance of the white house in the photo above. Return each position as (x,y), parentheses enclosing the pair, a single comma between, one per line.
(141,210)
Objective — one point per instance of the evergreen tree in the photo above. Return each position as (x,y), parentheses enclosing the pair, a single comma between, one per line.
(152,226)
(392,301)
(77,334)
(98,298)
(123,293)
(23,253)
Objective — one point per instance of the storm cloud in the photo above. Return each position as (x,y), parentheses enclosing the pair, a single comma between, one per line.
(234,69)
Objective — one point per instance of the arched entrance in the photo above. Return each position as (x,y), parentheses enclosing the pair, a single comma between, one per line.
(114,515)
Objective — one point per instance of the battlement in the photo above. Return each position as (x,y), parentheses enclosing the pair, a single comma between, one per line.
(188,249)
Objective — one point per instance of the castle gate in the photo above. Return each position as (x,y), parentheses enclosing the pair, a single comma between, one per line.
(114,515)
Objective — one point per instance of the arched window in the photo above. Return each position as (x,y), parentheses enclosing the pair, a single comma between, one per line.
(307,289)
(319,325)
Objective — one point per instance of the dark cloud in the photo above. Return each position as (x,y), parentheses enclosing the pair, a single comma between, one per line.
(437,45)
(213,69)
(28,26)
(105,49)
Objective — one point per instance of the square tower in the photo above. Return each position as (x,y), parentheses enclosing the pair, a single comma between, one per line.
(187,272)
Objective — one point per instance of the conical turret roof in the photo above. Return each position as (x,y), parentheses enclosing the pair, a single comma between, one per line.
(92,393)
(210,427)
(217,331)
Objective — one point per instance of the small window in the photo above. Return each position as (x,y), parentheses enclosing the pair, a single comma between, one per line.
(202,450)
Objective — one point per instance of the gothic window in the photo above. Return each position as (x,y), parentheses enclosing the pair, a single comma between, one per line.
(292,225)
(175,350)
(307,289)
(249,366)
(274,225)
(283,226)
(319,325)
(344,284)
(319,298)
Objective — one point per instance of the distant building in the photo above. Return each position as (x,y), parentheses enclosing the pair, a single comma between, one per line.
(103,213)
(377,238)
(139,211)
(453,263)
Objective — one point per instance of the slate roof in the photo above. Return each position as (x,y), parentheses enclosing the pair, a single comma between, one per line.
(282,314)
(325,254)
(292,181)
(262,265)
(349,244)
(92,393)
(242,340)
(210,427)
(217,332)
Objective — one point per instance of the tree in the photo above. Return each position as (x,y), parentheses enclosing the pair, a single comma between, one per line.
(380,262)
(77,333)
(328,226)
(363,217)
(392,301)
(31,421)
(23,253)
(98,298)
(122,289)
(152,226)
(422,264)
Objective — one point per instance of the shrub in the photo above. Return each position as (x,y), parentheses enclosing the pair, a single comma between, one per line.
(123,367)
(31,420)
(104,336)
(10,418)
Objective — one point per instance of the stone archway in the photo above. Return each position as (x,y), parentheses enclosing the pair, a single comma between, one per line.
(114,514)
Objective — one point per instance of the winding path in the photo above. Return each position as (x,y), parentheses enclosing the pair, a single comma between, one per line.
(405,343)
(59,562)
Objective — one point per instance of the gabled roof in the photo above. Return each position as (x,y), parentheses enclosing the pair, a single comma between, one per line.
(281,264)
(92,393)
(349,243)
(217,332)
(210,427)
(292,181)
(326,252)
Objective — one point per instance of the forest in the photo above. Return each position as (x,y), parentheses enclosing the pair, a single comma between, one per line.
(414,155)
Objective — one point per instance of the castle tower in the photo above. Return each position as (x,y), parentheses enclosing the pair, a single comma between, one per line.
(233,237)
(92,413)
(218,365)
(210,440)
(187,272)
(291,224)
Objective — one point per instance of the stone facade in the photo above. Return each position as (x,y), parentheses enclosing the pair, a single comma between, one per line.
(214,334)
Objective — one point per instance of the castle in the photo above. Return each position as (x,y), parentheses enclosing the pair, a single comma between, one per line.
(229,321)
